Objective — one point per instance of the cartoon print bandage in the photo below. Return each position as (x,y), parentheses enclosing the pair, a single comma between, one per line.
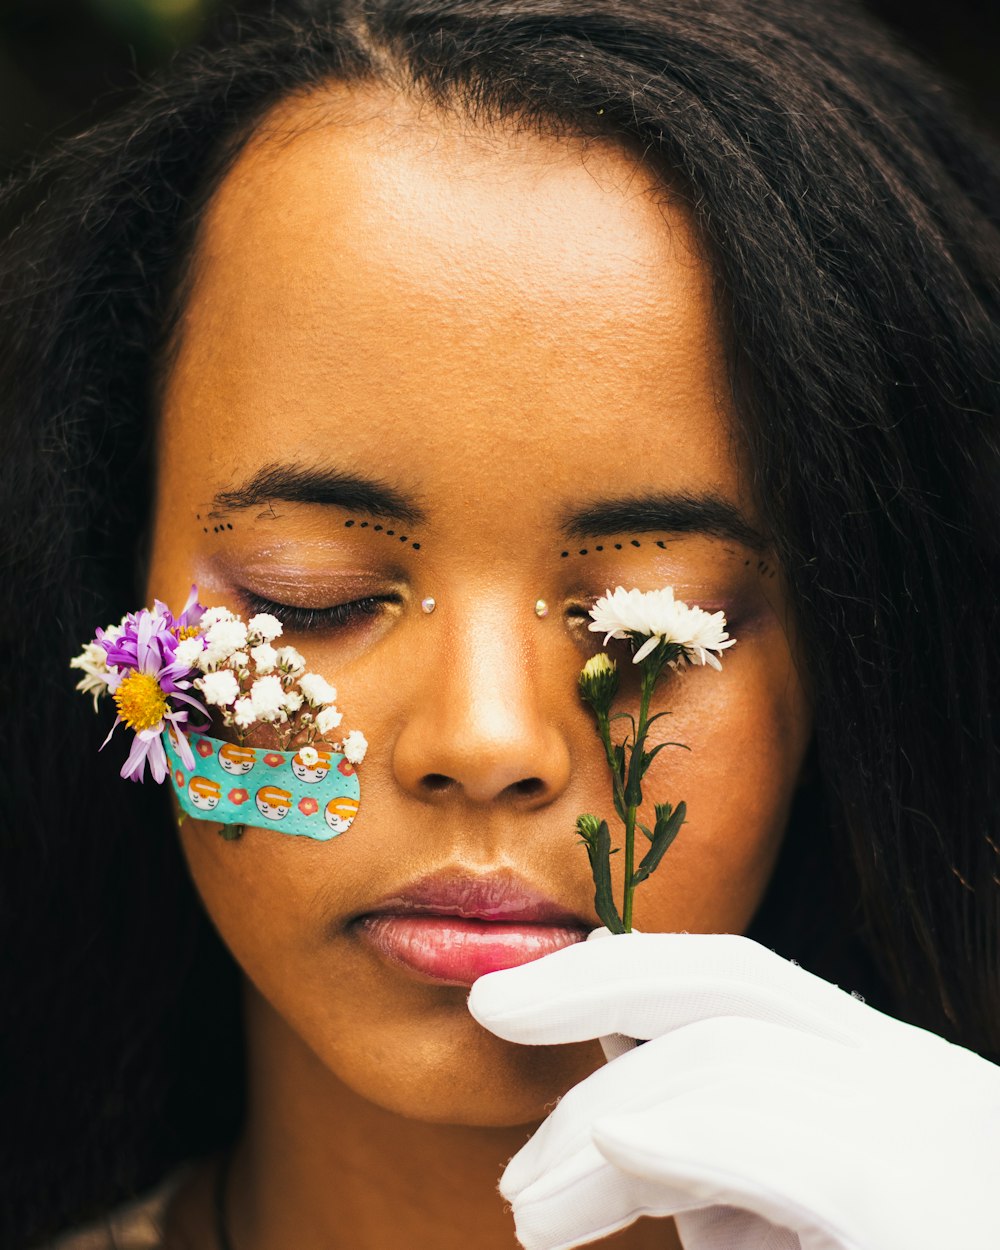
(312,792)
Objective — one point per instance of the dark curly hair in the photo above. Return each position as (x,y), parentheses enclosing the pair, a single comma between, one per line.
(850,214)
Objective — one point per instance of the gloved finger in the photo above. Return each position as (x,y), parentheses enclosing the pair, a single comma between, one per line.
(574,1198)
(645,985)
(583,1197)
(730,1228)
(701,1057)
(749,1148)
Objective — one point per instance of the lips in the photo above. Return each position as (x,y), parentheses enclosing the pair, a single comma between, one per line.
(454,927)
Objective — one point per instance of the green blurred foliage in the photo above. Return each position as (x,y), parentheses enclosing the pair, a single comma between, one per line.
(154,23)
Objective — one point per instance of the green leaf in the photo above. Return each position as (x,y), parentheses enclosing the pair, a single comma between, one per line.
(668,825)
(633,783)
(648,832)
(649,756)
(625,716)
(600,863)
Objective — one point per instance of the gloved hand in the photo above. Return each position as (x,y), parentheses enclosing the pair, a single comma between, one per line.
(770,1110)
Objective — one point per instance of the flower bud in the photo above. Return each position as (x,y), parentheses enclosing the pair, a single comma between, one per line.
(587,827)
(598,682)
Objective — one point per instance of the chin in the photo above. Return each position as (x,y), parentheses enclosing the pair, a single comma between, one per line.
(444,1068)
(438,1065)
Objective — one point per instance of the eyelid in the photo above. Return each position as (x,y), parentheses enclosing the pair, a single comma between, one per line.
(332,617)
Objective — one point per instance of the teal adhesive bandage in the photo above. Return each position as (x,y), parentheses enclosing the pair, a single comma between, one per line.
(312,797)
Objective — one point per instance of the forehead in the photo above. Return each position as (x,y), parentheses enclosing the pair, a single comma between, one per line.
(377,277)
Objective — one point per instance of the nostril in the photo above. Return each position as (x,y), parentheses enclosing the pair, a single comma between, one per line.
(437,783)
(527,788)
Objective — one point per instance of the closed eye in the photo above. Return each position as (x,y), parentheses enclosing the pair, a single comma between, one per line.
(336,616)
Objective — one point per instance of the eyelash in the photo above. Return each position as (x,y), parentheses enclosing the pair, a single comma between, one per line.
(337,616)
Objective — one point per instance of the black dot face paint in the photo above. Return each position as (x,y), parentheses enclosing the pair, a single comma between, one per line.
(351,522)
(765,568)
(586,551)
(222,528)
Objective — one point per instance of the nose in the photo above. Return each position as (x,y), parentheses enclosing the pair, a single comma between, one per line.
(483,726)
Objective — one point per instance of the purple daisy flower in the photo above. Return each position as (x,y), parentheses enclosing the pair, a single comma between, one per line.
(148,683)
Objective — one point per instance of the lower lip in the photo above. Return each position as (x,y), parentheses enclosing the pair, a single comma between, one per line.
(458,951)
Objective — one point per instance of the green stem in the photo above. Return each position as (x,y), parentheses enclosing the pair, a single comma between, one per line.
(649,676)
(604,729)
(629,854)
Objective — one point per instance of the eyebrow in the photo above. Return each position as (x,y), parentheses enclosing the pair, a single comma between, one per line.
(684,513)
(331,488)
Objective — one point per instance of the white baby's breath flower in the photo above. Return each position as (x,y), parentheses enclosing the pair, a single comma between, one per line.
(222,638)
(220,688)
(93,660)
(354,747)
(188,651)
(309,756)
(231,633)
(289,660)
(293,700)
(212,656)
(243,713)
(658,617)
(239,659)
(267,697)
(265,657)
(211,615)
(328,718)
(265,625)
(316,689)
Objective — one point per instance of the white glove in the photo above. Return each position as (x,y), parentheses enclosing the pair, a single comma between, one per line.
(771,1110)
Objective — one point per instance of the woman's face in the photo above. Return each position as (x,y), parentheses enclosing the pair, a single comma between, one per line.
(422,361)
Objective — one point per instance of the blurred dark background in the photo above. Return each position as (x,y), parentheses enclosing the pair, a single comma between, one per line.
(63,63)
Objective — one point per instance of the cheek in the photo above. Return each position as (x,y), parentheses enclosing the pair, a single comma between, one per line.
(748,730)
(248,887)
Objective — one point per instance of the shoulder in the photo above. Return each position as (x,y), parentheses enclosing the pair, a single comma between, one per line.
(137,1225)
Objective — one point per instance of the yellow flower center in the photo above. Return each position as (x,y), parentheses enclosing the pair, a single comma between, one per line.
(140,701)
(188,631)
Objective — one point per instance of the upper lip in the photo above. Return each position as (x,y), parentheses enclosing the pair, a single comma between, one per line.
(500,895)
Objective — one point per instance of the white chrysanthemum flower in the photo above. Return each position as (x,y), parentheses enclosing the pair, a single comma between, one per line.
(220,688)
(189,651)
(660,618)
(355,746)
(328,718)
(289,660)
(265,625)
(293,700)
(267,698)
(317,689)
(708,634)
(93,660)
(243,713)
(211,615)
(265,657)
(309,756)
